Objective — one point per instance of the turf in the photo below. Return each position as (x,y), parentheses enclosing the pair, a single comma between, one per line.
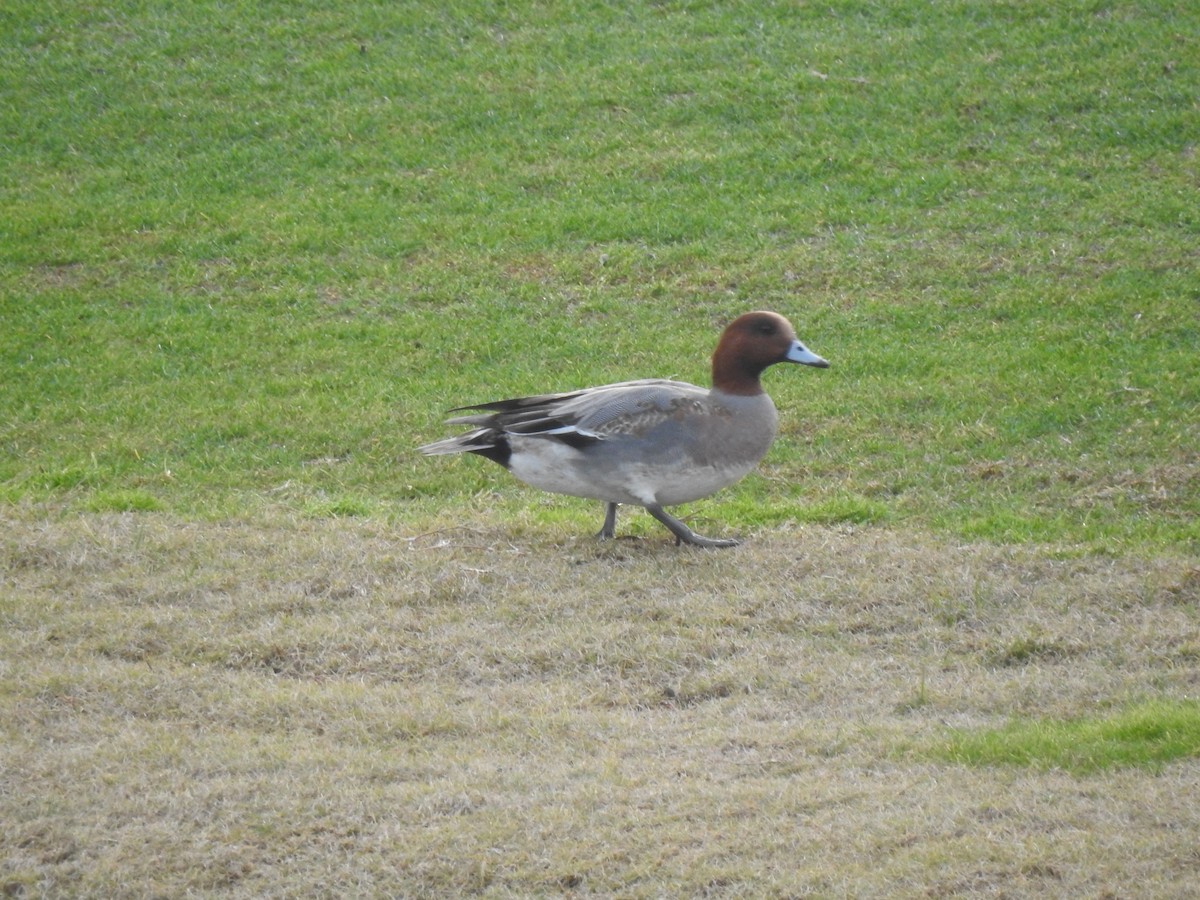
(1148,734)
(253,645)
(254,251)
(292,706)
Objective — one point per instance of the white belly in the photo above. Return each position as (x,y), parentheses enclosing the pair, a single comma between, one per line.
(550,465)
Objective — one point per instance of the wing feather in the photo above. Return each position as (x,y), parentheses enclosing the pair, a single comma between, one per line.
(581,417)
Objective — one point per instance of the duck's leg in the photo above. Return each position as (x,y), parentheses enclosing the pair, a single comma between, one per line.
(685,535)
(609,529)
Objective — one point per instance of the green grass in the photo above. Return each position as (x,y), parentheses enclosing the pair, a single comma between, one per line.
(250,252)
(1149,735)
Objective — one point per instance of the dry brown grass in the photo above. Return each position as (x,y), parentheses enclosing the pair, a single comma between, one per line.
(331,708)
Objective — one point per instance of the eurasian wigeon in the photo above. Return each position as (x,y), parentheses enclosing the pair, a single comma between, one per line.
(653,442)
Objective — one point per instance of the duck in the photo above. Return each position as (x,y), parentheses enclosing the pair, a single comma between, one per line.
(653,442)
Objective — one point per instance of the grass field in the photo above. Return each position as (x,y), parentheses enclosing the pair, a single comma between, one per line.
(253,645)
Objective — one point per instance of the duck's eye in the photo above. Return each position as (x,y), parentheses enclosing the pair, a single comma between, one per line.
(765,327)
